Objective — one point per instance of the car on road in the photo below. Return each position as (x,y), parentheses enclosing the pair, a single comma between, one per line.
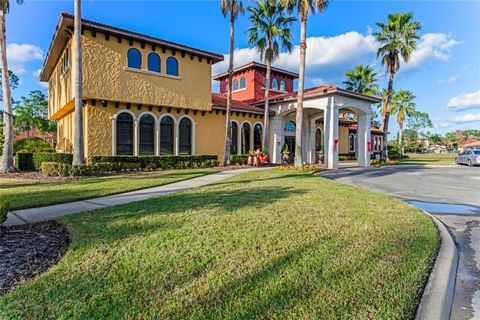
(469,157)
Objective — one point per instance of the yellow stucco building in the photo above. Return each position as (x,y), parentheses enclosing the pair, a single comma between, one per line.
(147,96)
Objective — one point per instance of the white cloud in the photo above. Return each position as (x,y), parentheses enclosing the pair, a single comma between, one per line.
(36,76)
(465,101)
(328,58)
(449,79)
(469,117)
(20,54)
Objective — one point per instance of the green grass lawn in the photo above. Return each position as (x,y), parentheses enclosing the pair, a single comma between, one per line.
(262,245)
(430,159)
(24,193)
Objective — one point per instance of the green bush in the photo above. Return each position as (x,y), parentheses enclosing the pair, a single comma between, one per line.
(32,145)
(346,157)
(239,159)
(56,169)
(38,158)
(4,207)
(24,161)
(159,162)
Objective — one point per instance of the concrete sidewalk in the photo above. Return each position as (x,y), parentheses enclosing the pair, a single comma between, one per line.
(31,215)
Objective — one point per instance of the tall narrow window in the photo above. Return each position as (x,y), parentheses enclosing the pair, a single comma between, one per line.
(166,135)
(351,142)
(154,62)
(147,133)
(245,138)
(172,66)
(185,136)
(235,84)
(257,136)
(234,137)
(282,85)
(124,134)
(275,84)
(242,83)
(134,58)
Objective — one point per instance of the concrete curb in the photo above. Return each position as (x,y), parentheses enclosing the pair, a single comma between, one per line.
(437,297)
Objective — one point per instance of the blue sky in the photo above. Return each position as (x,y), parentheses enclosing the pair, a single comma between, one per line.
(444,72)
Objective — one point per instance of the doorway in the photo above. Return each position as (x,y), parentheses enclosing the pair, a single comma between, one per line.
(290,142)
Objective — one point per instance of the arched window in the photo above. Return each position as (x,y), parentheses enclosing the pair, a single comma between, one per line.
(234,138)
(185,136)
(318,140)
(245,138)
(134,58)
(243,83)
(154,62)
(166,135)
(124,134)
(282,85)
(351,142)
(172,66)
(235,84)
(147,133)
(257,136)
(275,84)
(290,126)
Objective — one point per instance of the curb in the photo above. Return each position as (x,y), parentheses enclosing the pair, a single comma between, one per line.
(437,298)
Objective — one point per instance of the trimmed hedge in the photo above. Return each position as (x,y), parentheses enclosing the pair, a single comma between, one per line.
(160,162)
(346,157)
(239,159)
(25,161)
(56,169)
(38,158)
(4,207)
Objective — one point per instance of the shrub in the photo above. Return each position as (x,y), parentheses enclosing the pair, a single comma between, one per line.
(56,169)
(346,157)
(32,145)
(4,207)
(25,161)
(239,159)
(38,158)
(159,162)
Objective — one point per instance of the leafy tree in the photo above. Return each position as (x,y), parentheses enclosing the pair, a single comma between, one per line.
(419,120)
(362,79)
(398,38)
(403,107)
(304,8)
(32,112)
(13,82)
(269,31)
(232,9)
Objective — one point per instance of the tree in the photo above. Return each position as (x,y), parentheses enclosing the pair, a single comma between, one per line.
(13,82)
(362,79)
(269,31)
(7,156)
(419,120)
(304,8)
(32,112)
(232,9)
(398,38)
(404,107)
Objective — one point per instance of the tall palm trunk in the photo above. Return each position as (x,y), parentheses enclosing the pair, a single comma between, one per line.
(301,81)
(228,137)
(400,137)
(268,62)
(7,156)
(386,118)
(78,142)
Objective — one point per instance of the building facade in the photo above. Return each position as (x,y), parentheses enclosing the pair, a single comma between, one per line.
(147,96)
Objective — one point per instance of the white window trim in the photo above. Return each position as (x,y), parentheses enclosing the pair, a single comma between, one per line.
(152,73)
(194,124)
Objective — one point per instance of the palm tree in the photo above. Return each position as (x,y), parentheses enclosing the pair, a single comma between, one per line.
(231,8)
(304,8)
(398,37)
(7,155)
(270,30)
(78,143)
(403,107)
(362,79)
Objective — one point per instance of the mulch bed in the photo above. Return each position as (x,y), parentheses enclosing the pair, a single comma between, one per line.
(28,250)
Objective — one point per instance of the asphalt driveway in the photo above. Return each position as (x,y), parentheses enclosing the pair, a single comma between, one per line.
(453,196)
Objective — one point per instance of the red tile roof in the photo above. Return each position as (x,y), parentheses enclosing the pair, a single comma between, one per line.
(374,130)
(255,64)
(34,133)
(220,102)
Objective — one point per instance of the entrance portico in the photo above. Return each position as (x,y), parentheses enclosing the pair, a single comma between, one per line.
(322,107)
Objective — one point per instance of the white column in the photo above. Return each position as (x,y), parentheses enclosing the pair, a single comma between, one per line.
(239,139)
(331,135)
(194,124)
(136,137)
(363,137)
(175,135)
(313,149)
(114,136)
(157,138)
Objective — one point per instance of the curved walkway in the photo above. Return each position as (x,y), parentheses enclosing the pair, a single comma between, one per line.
(31,215)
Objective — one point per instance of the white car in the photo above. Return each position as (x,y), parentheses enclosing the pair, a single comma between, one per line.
(469,157)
